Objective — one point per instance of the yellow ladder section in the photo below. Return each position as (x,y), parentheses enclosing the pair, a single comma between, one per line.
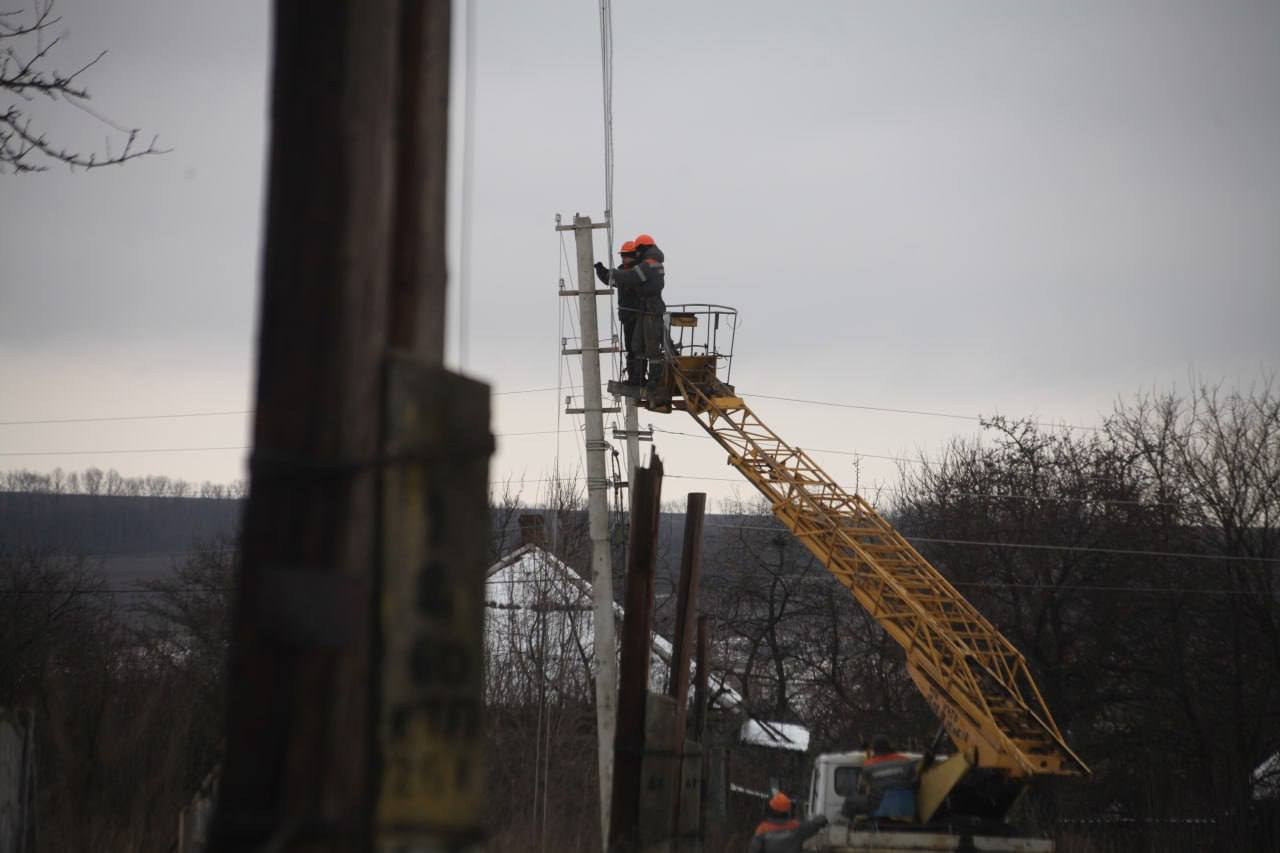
(974,679)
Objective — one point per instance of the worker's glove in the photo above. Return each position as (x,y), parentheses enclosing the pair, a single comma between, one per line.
(601,268)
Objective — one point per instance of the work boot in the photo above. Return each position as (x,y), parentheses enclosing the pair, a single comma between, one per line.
(635,371)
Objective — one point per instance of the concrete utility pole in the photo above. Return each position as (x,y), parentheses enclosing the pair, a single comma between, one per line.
(597,510)
(632,423)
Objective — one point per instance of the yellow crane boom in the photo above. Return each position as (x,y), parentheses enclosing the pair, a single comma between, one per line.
(974,679)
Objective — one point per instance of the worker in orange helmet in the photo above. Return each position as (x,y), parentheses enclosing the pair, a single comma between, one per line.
(640,294)
(881,751)
(889,779)
(630,307)
(779,832)
(646,279)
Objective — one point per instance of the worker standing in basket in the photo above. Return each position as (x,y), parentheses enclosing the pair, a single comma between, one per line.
(648,277)
(630,308)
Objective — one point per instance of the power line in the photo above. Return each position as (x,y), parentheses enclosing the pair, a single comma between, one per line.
(976,543)
(1039,546)
(925,461)
(212,414)
(922,412)
(1126,552)
(966,584)
(1094,588)
(128,418)
(828,403)
(211,448)
(468,184)
(124,451)
(806,449)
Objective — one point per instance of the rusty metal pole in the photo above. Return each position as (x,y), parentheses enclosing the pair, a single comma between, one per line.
(686,607)
(296,772)
(637,630)
(427,698)
(702,681)
(355,668)
(686,610)
(701,697)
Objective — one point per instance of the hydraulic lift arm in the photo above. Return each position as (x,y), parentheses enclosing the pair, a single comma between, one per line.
(974,679)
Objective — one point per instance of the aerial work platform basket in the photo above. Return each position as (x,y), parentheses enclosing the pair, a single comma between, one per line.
(698,354)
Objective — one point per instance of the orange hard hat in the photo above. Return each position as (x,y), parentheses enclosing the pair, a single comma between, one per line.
(780,803)
(645,240)
(627,247)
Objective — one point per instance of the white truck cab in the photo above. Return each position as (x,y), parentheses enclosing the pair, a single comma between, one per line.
(836,776)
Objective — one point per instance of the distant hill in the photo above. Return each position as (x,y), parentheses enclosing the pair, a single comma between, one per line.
(140,537)
(110,526)
(129,538)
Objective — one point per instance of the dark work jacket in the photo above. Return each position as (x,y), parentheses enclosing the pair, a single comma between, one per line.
(645,280)
(629,298)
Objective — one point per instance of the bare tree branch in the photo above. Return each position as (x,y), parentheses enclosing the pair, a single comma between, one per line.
(24,148)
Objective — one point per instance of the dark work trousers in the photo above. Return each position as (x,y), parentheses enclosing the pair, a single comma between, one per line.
(652,333)
(652,330)
(633,344)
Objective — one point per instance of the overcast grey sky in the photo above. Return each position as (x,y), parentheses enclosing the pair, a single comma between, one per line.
(1024,208)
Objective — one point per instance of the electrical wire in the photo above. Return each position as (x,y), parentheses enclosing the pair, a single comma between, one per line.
(178,415)
(127,450)
(468,187)
(606,68)
(927,461)
(828,403)
(966,584)
(124,451)
(924,413)
(127,418)
(1039,546)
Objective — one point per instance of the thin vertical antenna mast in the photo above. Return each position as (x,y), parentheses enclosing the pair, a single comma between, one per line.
(603,629)
(631,418)
(468,190)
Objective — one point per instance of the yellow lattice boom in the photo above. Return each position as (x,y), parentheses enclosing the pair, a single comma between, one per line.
(974,679)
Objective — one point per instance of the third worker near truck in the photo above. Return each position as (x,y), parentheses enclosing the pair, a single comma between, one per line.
(779,832)
(641,284)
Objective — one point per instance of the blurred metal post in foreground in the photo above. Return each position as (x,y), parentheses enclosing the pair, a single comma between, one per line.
(351,665)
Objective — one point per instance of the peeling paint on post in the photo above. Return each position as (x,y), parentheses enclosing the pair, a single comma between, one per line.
(431,587)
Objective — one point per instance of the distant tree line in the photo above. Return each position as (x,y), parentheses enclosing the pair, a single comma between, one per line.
(95,481)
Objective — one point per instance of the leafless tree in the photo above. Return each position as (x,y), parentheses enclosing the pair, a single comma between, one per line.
(47,597)
(1213,460)
(796,643)
(539,694)
(29,39)
(1135,567)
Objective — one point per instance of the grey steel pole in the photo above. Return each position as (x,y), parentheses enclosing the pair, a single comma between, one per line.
(603,629)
